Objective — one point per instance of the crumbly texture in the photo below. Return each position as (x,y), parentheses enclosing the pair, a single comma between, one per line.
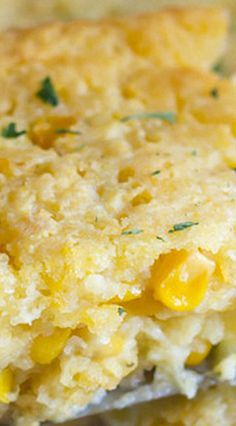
(23,13)
(80,213)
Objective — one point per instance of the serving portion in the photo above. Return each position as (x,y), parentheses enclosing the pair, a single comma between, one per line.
(118,211)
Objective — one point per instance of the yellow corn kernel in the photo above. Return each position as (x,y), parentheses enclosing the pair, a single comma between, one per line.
(146,305)
(198,354)
(6,380)
(143,198)
(113,348)
(180,279)
(44,131)
(125,174)
(5,167)
(46,348)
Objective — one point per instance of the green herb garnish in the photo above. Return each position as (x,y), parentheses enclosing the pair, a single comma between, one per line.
(214,93)
(157,172)
(160,238)
(68,132)
(218,68)
(234,169)
(170,117)
(47,93)
(132,232)
(11,132)
(181,226)
(194,152)
(121,311)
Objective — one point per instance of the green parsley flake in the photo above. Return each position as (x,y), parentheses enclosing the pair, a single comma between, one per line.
(170,117)
(132,232)
(214,93)
(121,311)
(11,132)
(47,93)
(234,169)
(160,238)
(181,226)
(218,68)
(68,132)
(194,152)
(157,172)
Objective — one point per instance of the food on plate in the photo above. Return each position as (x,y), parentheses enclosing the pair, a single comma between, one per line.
(117,212)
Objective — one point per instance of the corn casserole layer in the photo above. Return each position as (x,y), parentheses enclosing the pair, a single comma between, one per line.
(23,13)
(118,211)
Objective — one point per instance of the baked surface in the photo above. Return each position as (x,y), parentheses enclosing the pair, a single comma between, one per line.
(27,13)
(96,189)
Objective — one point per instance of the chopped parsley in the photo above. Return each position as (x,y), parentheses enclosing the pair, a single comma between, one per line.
(181,226)
(11,132)
(234,169)
(194,152)
(121,311)
(68,132)
(170,117)
(132,232)
(214,93)
(160,238)
(157,172)
(47,93)
(218,68)
(131,364)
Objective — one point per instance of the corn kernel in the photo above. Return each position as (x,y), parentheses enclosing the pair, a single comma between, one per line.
(46,348)
(199,354)
(6,380)
(180,279)
(143,198)
(5,167)
(146,305)
(44,131)
(125,174)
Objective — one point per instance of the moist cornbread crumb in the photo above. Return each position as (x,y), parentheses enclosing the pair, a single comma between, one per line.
(117,208)
(25,13)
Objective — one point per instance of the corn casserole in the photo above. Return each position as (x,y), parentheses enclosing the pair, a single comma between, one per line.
(118,212)
(25,13)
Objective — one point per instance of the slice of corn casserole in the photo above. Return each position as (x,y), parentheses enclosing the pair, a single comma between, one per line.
(117,211)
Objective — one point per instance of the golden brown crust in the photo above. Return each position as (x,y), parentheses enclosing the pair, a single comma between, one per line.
(68,199)
(187,37)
